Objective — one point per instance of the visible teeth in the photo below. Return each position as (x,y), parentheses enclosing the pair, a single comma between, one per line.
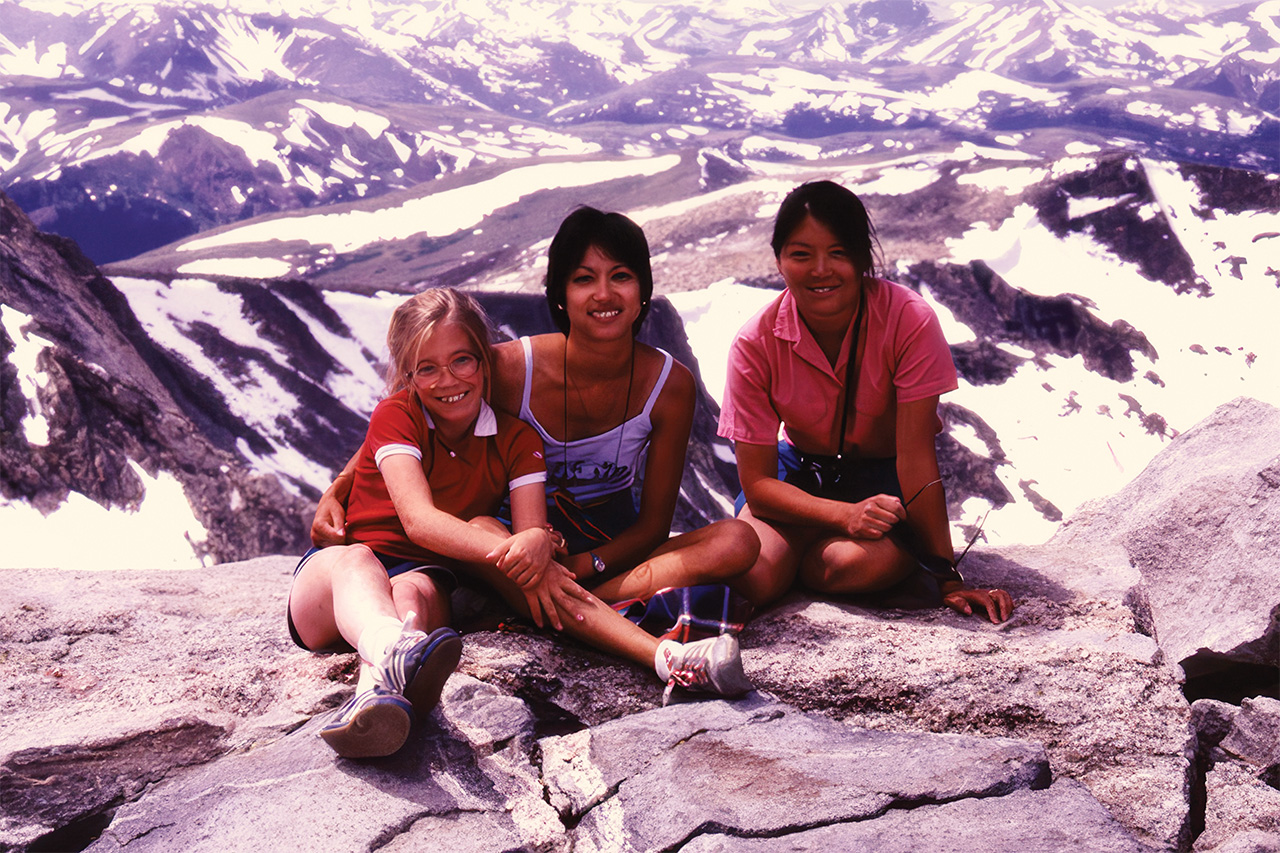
(455,398)
(606,314)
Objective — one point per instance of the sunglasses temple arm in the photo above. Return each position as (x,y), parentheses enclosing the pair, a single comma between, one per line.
(920,491)
(973,538)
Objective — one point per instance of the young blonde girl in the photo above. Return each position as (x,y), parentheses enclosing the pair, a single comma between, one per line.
(434,469)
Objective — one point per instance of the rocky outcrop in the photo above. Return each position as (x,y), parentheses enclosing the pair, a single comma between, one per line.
(112,399)
(1200,526)
(168,710)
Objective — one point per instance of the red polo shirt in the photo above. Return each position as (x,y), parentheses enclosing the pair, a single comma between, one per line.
(468,479)
(778,375)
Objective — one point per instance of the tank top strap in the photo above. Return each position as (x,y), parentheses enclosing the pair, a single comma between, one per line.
(526,414)
(662,380)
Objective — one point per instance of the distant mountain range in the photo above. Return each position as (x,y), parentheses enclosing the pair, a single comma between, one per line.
(1089,201)
(129,125)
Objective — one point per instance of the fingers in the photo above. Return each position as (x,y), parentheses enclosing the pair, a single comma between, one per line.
(547,598)
(1001,606)
(535,606)
(571,596)
(497,555)
(887,507)
(997,603)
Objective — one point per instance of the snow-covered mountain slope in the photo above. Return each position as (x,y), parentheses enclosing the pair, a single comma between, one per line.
(1090,203)
(127,126)
(1096,305)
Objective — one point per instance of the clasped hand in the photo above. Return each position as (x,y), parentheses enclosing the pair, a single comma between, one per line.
(873,517)
(548,587)
(524,556)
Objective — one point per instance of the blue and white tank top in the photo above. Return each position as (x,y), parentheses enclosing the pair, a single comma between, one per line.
(586,467)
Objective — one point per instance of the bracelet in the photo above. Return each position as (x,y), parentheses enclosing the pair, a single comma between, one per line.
(596,563)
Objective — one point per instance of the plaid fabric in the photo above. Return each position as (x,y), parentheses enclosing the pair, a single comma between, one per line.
(689,613)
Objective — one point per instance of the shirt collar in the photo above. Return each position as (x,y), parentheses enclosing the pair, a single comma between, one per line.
(486,421)
(788,326)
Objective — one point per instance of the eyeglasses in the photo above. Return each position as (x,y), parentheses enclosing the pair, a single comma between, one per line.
(463,367)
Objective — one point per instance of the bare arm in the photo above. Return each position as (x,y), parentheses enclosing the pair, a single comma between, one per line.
(329,525)
(917,469)
(917,475)
(436,530)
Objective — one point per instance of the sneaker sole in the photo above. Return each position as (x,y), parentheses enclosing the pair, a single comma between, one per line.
(372,732)
(438,664)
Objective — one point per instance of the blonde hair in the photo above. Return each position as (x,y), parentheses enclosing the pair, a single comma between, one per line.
(418,316)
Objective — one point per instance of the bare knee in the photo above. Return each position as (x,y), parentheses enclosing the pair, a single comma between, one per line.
(356,558)
(420,595)
(490,524)
(848,566)
(740,546)
(731,548)
(765,582)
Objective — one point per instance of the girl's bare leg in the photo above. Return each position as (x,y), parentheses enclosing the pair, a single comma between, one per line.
(344,590)
(717,553)
(600,625)
(337,593)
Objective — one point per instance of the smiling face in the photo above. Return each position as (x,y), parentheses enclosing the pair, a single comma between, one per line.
(452,400)
(602,296)
(821,275)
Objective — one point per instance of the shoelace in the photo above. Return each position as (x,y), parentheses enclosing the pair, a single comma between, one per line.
(686,674)
(382,675)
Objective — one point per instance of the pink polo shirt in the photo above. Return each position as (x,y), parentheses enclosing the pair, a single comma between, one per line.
(779,376)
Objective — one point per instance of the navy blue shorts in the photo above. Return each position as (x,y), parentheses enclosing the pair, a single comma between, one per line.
(443,578)
(871,477)
(586,527)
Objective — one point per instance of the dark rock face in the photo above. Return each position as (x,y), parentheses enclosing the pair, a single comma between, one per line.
(112,398)
(999,313)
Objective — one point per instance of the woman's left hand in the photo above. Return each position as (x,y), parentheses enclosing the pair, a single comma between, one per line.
(524,556)
(996,602)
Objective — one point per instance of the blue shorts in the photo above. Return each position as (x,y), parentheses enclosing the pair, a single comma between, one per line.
(443,578)
(872,477)
(586,527)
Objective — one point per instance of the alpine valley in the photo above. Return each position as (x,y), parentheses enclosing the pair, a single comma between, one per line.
(209,212)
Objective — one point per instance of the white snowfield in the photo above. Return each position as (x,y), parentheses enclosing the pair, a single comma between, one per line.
(435,215)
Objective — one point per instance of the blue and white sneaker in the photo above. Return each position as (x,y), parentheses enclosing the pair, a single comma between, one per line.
(372,724)
(417,666)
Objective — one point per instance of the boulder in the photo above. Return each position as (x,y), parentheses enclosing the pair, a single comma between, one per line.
(1200,525)
(1254,736)
(115,679)
(1071,670)
(1243,813)
(173,707)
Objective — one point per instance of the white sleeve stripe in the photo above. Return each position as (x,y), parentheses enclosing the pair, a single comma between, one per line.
(396,450)
(527,479)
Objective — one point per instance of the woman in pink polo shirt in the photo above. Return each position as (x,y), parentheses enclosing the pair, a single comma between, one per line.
(851,499)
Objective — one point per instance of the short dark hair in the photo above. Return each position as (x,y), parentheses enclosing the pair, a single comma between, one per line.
(839,210)
(613,234)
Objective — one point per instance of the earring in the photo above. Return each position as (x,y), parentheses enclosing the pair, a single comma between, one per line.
(560,305)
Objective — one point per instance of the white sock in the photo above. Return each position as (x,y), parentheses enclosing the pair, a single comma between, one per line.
(660,658)
(377,637)
(365,681)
